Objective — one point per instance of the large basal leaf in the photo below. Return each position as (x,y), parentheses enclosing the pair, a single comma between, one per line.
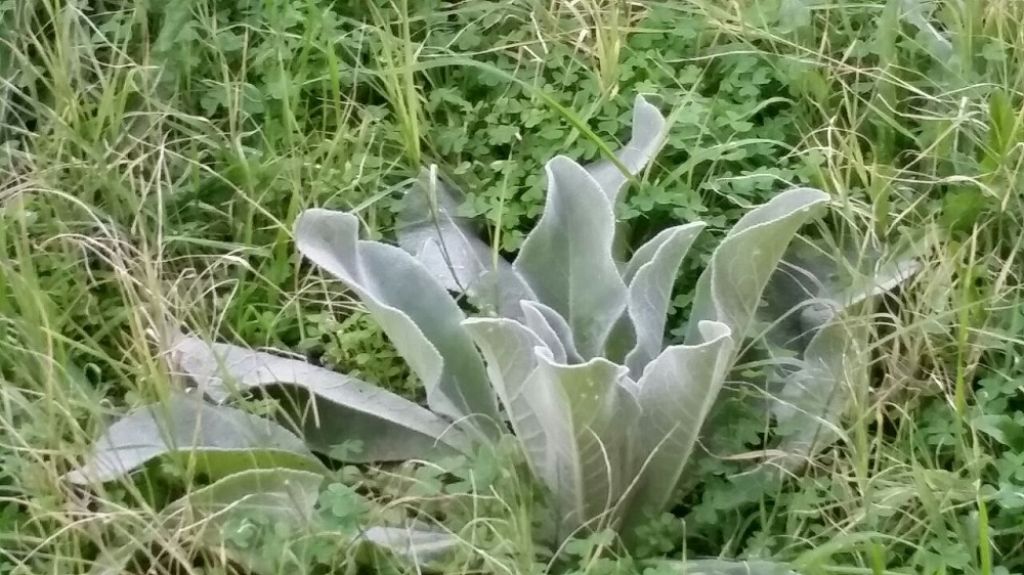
(574,422)
(430,229)
(650,275)
(676,393)
(285,497)
(567,258)
(417,313)
(218,440)
(589,460)
(508,348)
(730,289)
(648,135)
(331,408)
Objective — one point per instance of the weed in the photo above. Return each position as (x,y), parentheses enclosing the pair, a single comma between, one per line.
(153,157)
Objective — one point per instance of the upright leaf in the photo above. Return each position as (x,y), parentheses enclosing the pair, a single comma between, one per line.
(808,303)
(416,312)
(677,391)
(729,290)
(218,440)
(509,350)
(537,324)
(330,407)
(553,329)
(590,458)
(648,135)
(567,258)
(430,229)
(650,275)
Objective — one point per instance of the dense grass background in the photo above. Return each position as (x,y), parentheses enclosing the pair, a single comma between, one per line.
(153,156)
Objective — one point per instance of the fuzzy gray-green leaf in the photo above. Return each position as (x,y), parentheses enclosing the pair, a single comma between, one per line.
(331,408)
(285,496)
(553,329)
(723,567)
(417,543)
(648,134)
(812,284)
(417,313)
(217,439)
(651,273)
(567,258)
(430,229)
(730,289)
(808,303)
(509,349)
(815,396)
(590,459)
(676,393)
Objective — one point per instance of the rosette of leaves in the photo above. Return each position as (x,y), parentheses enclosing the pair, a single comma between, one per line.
(567,352)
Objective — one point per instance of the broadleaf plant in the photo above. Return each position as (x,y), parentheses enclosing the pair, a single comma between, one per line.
(814,303)
(569,341)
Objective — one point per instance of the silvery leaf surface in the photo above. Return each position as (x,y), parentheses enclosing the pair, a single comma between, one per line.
(590,459)
(676,393)
(553,329)
(812,284)
(648,134)
(330,408)
(217,439)
(417,543)
(285,496)
(447,245)
(419,316)
(509,350)
(730,289)
(650,276)
(723,567)
(567,258)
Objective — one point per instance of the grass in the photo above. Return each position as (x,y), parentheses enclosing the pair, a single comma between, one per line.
(153,157)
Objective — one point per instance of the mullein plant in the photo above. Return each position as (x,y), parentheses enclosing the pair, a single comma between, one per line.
(566,350)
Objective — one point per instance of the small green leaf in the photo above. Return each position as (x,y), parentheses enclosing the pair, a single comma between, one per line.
(346,508)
